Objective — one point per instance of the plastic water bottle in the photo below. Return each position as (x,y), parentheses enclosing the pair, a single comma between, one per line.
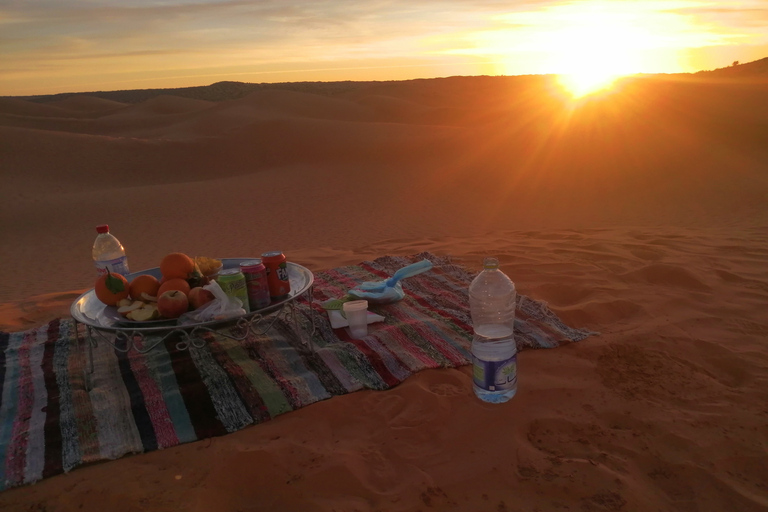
(492,299)
(108,253)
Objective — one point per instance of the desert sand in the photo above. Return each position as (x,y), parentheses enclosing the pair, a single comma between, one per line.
(640,214)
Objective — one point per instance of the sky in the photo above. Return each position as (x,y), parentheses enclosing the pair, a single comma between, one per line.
(55,46)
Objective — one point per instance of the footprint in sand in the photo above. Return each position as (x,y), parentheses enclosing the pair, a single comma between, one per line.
(448,390)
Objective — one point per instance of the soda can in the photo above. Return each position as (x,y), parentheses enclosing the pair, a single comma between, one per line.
(232,281)
(277,274)
(256,283)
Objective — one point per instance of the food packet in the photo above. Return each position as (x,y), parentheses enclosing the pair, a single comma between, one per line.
(222,307)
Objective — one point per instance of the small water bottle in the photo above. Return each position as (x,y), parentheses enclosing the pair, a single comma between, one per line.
(492,299)
(108,253)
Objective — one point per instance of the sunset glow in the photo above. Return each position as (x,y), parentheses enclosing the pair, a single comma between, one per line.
(50,47)
(590,44)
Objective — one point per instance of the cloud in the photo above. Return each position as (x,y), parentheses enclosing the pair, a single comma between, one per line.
(82,30)
(746,17)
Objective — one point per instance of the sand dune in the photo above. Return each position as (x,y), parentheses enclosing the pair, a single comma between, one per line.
(20,107)
(640,214)
(86,103)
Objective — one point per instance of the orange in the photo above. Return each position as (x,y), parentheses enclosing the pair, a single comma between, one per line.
(177,264)
(111,288)
(175,283)
(144,283)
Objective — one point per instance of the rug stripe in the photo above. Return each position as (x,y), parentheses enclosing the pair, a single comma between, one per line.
(300,388)
(117,430)
(197,400)
(410,353)
(325,341)
(280,358)
(417,327)
(136,399)
(9,401)
(439,307)
(4,341)
(379,341)
(36,446)
(17,452)
(376,271)
(80,408)
(54,436)
(152,396)
(389,357)
(331,359)
(358,364)
(456,323)
(222,352)
(354,363)
(376,363)
(257,351)
(269,392)
(14,463)
(229,407)
(454,344)
(158,363)
(71,454)
(341,280)
(318,367)
(307,383)
(531,335)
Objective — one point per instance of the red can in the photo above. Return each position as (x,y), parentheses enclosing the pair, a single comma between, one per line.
(277,274)
(256,283)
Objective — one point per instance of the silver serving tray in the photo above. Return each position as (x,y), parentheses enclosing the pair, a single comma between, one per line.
(89,310)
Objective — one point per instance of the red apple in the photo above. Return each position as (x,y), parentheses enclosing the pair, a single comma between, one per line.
(199,296)
(172,304)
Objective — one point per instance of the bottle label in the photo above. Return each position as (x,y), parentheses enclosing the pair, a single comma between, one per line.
(117,266)
(495,375)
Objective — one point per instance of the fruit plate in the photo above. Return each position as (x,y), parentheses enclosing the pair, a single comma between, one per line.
(89,310)
(110,313)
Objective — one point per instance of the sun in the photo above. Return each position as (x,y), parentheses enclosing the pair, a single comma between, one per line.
(583,83)
(593,57)
(596,48)
(590,44)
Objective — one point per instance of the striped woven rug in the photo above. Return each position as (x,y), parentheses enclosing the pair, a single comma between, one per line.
(50,423)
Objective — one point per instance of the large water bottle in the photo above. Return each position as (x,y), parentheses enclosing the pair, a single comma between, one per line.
(108,253)
(492,298)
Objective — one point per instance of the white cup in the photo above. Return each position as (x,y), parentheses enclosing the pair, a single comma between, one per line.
(356,312)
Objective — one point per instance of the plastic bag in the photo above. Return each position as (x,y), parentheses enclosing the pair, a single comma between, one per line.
(390,290)
(221,307)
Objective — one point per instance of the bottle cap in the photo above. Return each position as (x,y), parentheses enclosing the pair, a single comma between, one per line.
(491,263)
(102,228)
